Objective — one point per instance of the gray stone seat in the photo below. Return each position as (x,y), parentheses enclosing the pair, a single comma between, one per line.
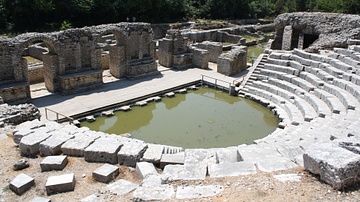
(77,145)
(320,106)
(349,53)
(104,149)
(285,69)
(292,111)
(277,62)
(306,109)
(52,145)
(289,78)
(348,100)
(332,101)
(279,111)
(346,59)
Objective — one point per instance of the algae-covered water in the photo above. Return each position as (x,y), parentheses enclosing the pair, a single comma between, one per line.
(254,51)
(203,118)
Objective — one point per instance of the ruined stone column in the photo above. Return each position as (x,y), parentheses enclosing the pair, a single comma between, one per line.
(301,41)
(166,48)
(117,61)
(50,71)
(287,37)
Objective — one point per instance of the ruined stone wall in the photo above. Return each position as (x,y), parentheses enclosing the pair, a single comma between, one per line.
(36,73)
(16,114)
(73,58)
(232,62)
(332,29)
(214,49)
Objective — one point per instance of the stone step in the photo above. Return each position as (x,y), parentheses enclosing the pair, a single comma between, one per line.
(306,109)
(77,145)
(333,102)
(104,150)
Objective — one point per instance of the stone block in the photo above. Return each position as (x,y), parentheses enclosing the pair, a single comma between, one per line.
(185,172)
(336,166)
(53,163)
(177,158)
(131,152)
(153,153)
(231,169)
(144,169)
(158,193)
(77,145)
(104,149)
(121,187)
(275,164)
(194,192)
(201,157)
(21,184)
(52,145)
(60,183)
(153,181)
(227,155)
(40,199)
(29,145)
(106,173)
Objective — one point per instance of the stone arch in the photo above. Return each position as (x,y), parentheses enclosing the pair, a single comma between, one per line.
(117,55)
(50,58)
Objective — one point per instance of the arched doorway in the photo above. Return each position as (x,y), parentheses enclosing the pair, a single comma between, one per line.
(38,59)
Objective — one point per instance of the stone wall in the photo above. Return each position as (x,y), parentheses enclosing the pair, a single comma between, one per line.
(36,73)
(214,49)
(72,56)
(232,62)
(315,31)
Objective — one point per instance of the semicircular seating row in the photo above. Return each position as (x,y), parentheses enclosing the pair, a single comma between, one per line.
(315,95)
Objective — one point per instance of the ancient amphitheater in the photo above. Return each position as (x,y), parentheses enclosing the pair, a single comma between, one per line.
(310,78)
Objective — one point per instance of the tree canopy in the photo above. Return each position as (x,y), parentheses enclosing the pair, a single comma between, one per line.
(46,15)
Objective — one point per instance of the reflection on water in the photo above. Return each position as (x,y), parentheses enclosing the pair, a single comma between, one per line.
(204,118)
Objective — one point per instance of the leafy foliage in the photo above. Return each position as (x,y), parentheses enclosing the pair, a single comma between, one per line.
(40,15)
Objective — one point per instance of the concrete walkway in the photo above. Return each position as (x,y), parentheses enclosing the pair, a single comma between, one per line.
(122,90)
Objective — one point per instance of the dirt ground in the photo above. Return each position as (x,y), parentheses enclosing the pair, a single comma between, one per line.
(256,187)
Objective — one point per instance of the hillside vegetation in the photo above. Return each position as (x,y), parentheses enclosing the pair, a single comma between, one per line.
(50,15)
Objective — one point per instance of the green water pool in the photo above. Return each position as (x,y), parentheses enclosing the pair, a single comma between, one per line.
(203,118)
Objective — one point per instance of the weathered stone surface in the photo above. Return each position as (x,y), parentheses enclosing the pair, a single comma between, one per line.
(29,145)
(232,62)
(40,199)
(21,184)
(93,198)
(53,163)
(3,136)
(158,193)
(77,145)
(288,177)
(194,192)
(231,169)
(201,157)
(106,173)
(227,155)
(332,29)
(131,152)
(121,187)
(177,158)
(144,169)
(153,181)
(153,153)
(185,172)
(21,164)
(52,145)
(275,164)
(16,114)
(104,149)
(60,183)
(335,165)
